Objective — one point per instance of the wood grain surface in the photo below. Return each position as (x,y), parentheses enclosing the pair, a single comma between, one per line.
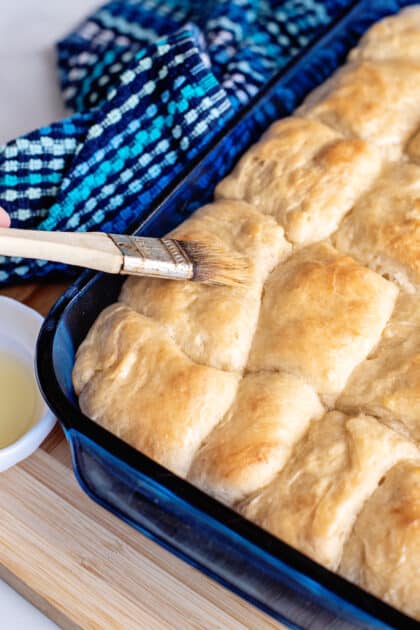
(85,568)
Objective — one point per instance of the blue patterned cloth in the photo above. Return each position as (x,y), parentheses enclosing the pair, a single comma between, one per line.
(150,83)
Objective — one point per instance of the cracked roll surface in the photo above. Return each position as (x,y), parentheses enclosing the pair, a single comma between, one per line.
(382,554)
(314,501)
(387,384)
(383,229)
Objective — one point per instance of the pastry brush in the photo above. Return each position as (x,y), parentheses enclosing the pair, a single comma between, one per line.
(129,255)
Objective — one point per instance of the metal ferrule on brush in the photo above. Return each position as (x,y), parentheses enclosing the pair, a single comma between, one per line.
(160,258)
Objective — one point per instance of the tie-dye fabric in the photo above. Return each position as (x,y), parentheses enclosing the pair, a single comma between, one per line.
(150,83)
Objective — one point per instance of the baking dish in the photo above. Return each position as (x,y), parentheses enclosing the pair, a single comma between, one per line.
(210,536)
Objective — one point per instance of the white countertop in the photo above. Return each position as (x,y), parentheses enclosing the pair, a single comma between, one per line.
(18,614)
(30,97)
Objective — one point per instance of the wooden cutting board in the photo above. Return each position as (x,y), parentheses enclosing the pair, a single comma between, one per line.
(85,568)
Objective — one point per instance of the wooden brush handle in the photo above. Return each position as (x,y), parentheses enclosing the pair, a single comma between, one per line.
(93,250)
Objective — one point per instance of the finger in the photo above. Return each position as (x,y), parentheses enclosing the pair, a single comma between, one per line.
(4,218)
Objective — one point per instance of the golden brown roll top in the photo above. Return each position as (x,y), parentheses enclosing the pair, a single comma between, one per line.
(377,101)
(382,554)
(394,37)
(383,229)
(244,452)
(322,313)
(214,325)
(387,384)
(305,175)
(313,503)
(132,378)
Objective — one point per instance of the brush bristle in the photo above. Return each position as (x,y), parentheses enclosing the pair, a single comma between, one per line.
(214,265)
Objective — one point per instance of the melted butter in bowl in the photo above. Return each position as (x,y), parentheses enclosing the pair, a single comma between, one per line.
(25,420)
(20,401)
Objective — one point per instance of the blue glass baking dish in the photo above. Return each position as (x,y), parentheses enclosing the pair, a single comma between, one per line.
(210,536)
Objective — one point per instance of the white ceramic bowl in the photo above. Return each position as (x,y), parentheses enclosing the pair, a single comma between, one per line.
(19,328)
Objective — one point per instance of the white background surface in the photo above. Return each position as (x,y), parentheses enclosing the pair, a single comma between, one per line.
(29,91)
(18,614)
(30,97)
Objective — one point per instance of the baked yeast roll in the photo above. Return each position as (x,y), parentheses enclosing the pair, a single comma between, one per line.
(396,36)
(321,315)
(214,325)
(252,443)
(133,380)
(387,384)
(383,229)
(304,174)
(377,101)
(313,503)
(383,552)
